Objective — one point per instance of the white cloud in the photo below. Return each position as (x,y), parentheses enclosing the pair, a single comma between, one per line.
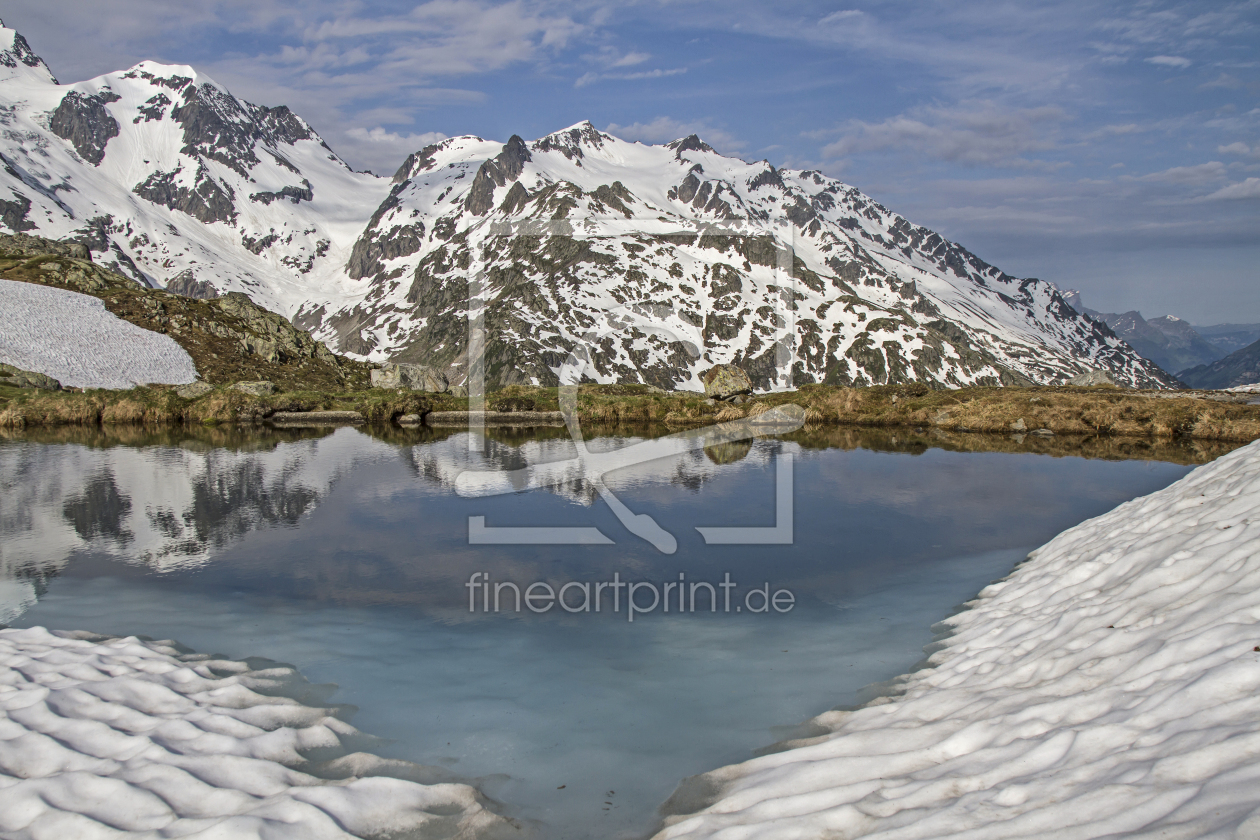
(1248,189)
(383,150)
(1198,174)
(1224,80)
(1234,149)
(609,56)
(1170,61)
(590,78)
(843,16)
(380,135)
(665,129)
(974,133)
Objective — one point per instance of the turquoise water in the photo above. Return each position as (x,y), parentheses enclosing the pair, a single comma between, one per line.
(349,557)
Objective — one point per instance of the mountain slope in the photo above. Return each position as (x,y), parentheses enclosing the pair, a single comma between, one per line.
(877,299)
(170,179)
(1241,367)
(174,182)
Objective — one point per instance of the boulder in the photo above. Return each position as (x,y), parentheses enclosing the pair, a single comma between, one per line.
(15,377)
(722,382)
(781,415)
(1019,425)
(259,388)
(410,378)
(1093,377)
(458,390)
(193,390)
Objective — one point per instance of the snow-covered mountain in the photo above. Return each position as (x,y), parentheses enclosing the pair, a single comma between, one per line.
(167,175)
(171,180)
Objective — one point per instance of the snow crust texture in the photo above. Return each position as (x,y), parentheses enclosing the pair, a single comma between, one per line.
(77,341)
(1109,687)
(117,737)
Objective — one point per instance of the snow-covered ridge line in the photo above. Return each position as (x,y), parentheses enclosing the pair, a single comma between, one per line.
(177,183)
(1109,686)
(104,737)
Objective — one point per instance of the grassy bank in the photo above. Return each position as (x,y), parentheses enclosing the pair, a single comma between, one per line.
(1086,412)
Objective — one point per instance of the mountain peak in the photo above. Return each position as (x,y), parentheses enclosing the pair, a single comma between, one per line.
(690,143)
(570,141)
(17,56)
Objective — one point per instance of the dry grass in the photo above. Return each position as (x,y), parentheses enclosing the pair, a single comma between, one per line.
(1095,412)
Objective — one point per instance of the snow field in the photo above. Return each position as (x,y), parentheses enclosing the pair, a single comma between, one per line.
(110,737)
(74,339)
(1109,687)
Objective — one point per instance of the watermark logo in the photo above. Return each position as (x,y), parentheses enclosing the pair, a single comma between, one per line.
(660,320)
(677,596)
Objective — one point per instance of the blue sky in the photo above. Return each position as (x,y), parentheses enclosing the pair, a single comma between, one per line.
(1111,147)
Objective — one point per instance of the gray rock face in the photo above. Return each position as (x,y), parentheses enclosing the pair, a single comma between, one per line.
(259,388)
(84,120)
(384,239)
(496,172)
(193,390)
(410,378)
(13,213)
(208,201)
(725,381)
(15,377)
(1093,377)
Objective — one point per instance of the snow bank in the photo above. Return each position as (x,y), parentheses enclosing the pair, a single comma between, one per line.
(1247,389)
(77,341)
(1110,686)
(109,737)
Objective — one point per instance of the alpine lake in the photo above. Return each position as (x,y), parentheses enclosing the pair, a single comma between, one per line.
(388,562)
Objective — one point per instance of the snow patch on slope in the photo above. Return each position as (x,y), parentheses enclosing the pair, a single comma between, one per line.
(105,737)
(1110,686)
(74,339)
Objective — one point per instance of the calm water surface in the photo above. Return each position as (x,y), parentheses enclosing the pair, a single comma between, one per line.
(347,556)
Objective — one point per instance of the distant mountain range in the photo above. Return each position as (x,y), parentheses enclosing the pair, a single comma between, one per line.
(166,176)
(1242,367)
(1219,356)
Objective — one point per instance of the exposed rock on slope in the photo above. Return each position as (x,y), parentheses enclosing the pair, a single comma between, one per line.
(577,225)
(164,174)
(574,239)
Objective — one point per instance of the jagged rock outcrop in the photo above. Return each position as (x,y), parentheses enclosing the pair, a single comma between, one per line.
(84,120)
